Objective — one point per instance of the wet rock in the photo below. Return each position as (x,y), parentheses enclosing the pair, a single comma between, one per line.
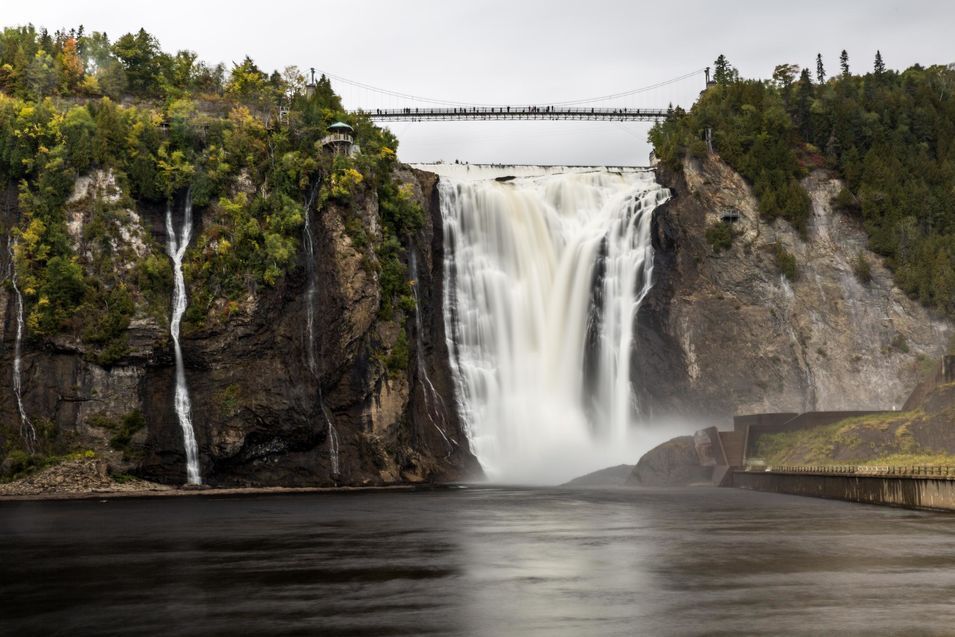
(610,477)
(671,464)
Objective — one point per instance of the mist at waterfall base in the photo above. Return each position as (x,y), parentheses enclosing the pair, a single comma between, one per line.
(545,269)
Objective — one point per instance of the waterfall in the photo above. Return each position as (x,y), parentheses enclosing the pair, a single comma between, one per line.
(433,403)
(311,346)
(176,248)
(545,271)
(27,430)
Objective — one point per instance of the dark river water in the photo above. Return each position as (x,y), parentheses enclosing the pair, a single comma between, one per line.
(477,561)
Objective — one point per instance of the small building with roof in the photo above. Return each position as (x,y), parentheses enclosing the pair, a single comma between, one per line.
(340,138)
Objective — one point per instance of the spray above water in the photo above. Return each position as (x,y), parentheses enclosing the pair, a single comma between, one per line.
(27,430)
(176,249)
(544,274)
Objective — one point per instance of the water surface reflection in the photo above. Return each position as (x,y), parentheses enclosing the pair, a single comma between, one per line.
(481,561)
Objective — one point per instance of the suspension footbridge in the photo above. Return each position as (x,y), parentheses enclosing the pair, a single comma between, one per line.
(484,113)
(643,104)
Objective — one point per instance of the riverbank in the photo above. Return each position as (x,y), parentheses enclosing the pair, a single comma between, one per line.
(88,479)
(174,492)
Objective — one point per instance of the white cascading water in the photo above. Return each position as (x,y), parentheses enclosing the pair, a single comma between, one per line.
(311,345)
(433,403)
(176,249)
(27,430)
(544,274)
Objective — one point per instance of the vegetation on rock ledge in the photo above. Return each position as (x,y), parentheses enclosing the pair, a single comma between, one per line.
(159,124)
(889,135)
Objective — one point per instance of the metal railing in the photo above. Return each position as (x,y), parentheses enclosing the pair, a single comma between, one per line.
(927,471)
(337,138)
(518,113)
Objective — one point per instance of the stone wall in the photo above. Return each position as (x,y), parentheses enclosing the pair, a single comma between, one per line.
(909,487)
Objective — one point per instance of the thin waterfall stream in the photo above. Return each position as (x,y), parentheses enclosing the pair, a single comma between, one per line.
(433,403)
(176,249)
(311,345)
(545,270)
(27,430)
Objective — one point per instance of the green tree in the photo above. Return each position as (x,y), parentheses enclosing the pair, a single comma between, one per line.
(803,105)
(724,72)
(60,293)
(78,130)
(105,74)
(879,65)
(181,73)
(820,70)
(844,63)
(247,82)
(142,60)
(40,76)
(784,75)
(208,79)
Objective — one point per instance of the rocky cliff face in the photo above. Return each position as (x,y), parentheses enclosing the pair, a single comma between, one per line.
(256,407)
(720,333)
(730,333)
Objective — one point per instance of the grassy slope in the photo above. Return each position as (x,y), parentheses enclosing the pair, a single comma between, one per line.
(923,436)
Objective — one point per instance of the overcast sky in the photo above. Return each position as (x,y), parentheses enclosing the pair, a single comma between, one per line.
(521,52)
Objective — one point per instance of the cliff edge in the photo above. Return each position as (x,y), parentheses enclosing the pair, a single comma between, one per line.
(774,321)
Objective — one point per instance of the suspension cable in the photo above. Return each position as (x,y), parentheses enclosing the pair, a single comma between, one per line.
(429,100)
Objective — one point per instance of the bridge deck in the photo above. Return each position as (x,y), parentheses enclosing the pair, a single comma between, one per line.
(518,113)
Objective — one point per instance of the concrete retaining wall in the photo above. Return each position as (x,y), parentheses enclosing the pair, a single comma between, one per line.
(935,489)
(742,423)
(732,442)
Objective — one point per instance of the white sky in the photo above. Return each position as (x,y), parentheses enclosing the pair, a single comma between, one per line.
(521,52)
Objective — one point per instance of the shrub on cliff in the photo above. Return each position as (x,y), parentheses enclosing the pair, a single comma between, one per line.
(719,236)
(785,262)
(862,269)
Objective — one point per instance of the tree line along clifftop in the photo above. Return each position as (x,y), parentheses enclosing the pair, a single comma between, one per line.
(160,124)
(145,127)
(890,136)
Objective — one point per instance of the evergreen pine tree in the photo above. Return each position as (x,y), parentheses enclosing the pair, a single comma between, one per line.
(820,70)
(844,63)
(879,66)
(724,71)
(803,106)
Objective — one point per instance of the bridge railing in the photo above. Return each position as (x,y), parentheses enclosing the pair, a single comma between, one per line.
(517,112)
